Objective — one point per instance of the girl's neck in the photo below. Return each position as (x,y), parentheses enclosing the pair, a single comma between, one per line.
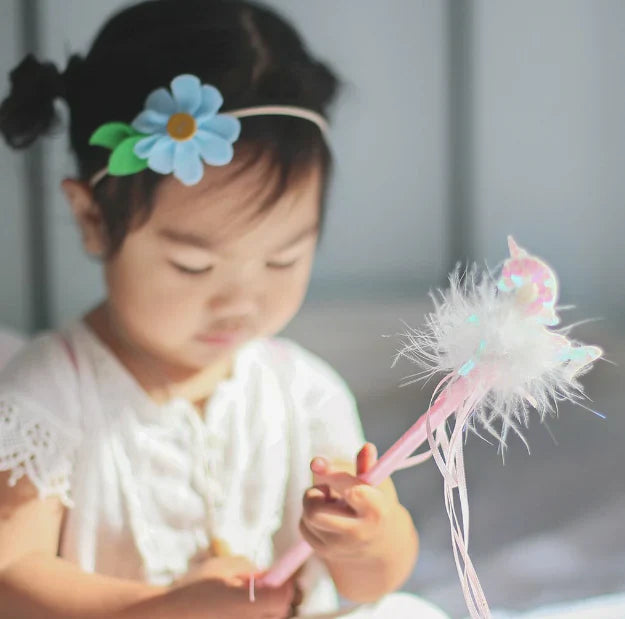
(160,380)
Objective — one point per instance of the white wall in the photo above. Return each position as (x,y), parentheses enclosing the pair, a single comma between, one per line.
(548,152)
(14,258)
(68,26)
(387,223)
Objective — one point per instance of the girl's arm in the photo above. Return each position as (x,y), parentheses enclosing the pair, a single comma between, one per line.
(40,585)
(34,582)
(51,588)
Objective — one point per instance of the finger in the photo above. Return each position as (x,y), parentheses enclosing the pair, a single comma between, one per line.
(366,458)
(348,543)
(327,521)
(322,466)
(315,502)
(356,497)
(328,495)
(239,562)
(324,543)
(368,503)
(321,493)
(330,527)
(338,482)
(319,465)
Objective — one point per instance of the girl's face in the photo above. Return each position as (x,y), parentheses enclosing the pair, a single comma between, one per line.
(201,277)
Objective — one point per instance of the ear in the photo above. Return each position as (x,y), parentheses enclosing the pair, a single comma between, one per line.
(87,216)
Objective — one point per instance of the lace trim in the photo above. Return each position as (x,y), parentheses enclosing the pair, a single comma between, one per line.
(33,447)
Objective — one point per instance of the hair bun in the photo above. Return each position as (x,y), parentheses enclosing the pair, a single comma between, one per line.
(29,111)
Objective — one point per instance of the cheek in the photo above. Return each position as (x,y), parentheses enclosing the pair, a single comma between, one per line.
(286,298)
(148,299)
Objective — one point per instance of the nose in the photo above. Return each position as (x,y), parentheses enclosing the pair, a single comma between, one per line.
(234,303)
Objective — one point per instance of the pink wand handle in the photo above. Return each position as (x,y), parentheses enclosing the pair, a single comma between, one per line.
(446,403)
(285,567)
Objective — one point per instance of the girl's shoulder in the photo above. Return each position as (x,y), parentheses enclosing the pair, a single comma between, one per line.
(40,381)
(326,404)
(10,343)
(40,415)
(300,364)
(43,358)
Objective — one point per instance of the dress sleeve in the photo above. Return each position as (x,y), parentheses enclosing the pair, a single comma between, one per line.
(327,406)
(40,421)
(334,424)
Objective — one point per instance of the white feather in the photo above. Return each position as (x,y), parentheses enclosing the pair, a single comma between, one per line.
(484,334)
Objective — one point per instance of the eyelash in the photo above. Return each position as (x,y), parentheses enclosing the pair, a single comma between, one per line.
(188,271)
(271,265)
(278,265)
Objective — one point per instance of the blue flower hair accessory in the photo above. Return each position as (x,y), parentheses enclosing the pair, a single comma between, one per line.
(180,131)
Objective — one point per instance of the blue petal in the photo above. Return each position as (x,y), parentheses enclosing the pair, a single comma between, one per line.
(188,167)
(187,91)
(161,101)
(214,149)
(161,158)
(150,121)
(211,101)
(143,148)
(224,126)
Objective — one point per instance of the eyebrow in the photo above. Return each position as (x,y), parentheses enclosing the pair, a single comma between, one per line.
(196,240)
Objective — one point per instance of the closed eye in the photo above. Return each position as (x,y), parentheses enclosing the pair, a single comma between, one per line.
(190,271)
(281,265)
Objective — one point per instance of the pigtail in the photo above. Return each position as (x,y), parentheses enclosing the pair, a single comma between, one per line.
(29,111)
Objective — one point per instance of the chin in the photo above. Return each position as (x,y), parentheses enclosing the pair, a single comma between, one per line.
(203,354)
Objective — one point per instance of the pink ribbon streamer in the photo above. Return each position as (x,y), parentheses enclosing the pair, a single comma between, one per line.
(451,465)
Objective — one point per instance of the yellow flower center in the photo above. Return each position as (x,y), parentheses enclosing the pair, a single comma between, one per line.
(181,126)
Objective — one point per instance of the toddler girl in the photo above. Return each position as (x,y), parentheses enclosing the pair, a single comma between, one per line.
(158,450)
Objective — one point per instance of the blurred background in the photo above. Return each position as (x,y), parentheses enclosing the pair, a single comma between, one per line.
(460,121)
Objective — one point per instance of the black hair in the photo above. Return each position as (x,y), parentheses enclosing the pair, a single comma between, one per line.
(253,56)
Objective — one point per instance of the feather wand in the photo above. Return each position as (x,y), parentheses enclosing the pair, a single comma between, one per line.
(491,338)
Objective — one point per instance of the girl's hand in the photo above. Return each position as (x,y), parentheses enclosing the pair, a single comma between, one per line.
(221,568)
(229,599)
(233,572)
(343,517)
(215,598)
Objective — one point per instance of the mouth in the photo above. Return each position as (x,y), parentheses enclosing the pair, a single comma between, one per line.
(222,338)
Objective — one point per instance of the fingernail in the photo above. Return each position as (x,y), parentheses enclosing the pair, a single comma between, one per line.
(318,465)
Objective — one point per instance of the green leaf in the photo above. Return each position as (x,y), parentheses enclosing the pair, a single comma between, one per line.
(110,135)
(123,160)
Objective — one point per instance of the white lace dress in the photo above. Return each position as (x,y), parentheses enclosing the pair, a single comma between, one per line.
(149,485)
